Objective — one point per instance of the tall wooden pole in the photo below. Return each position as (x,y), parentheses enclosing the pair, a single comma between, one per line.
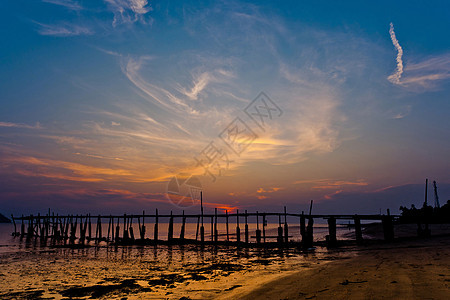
(202,228)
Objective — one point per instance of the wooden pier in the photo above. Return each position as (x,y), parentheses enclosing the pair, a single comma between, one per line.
(78,229)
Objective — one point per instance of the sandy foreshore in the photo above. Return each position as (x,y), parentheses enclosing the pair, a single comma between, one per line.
(404,269)
(418,269)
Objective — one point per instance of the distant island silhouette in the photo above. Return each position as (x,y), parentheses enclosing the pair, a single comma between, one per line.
(4,219)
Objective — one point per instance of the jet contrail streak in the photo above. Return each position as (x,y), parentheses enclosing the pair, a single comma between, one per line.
(395,77)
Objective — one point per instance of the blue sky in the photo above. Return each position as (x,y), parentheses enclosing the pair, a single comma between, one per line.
(107,100)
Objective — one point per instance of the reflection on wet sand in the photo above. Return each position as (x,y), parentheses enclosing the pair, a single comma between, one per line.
(150,272)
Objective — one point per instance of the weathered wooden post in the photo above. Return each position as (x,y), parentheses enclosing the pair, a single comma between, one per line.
(358,231)
(216,233)
(109,229)
(53,226)
(264,228)
(202,233)
(202,228)
(170,231)
(130,226)
(246,227)
(73,230)
(66,230)
(38,224)
(238,230)
(125,228)
(30,227)
(155,233)
(212,228)
(309,233)
(90,228)
(15,228)
(286,229)
(332,232)
(308,243)
(58,227)
(198,228)
(22,228)
(117,230)
(143,229)
(99,226)
(303,227)
(388,228)
(83,230)
(280,231)
(47,225)
(183,227)
(228,233)
(258,231)
(112,230)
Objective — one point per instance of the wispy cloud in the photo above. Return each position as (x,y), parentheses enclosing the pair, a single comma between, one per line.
(395,77)
(164,98)
(202,80)
(427,74)
(400,112)
(321,184)
(63,30)
(69,4)
(20,125)
(129,11)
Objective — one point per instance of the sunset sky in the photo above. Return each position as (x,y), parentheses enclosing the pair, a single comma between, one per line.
(103,102)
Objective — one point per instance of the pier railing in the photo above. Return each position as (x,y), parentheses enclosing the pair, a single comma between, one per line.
(79,229)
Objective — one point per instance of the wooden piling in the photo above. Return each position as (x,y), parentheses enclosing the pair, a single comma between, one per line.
(202,228)
(99,228)
(131,229)
(14,222)
(139,227)
(117,230)
(280,232)
(258,231)
(216,233)
(143,229)
(170,231)
(286,228)
(112,230)
(198,228)
(155,232)
(358,231)
(238,230)
(309,241)
(388,228)
(125,236)
(90,228)
(212,228)
(72,231)
(83,230)
(303,226)
(109,229)
(264,228)
(66,229)
(228,233)
(332,232)
(22,228)
(246,228)
(183,227)
(30,224)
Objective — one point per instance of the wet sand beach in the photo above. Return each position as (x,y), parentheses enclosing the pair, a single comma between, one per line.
(404,269)
(417,269)
(146,272)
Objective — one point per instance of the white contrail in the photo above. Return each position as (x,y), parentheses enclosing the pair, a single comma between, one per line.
(395,77)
